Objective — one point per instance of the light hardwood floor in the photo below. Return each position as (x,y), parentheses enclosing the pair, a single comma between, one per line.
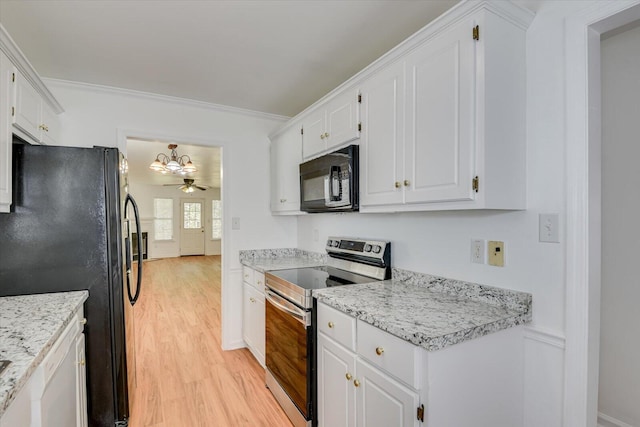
(184,378)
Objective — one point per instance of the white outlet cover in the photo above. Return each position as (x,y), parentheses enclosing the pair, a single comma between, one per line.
(478,251)
(549,228)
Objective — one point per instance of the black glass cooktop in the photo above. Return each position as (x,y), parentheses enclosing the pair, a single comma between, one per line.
(320,277)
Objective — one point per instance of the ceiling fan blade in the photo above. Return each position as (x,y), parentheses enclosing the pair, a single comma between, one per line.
(171,185)
(200,188)
(182,187)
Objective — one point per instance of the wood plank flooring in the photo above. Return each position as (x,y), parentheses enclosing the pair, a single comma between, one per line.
(183,376)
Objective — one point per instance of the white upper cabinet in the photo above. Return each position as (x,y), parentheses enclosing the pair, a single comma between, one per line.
(382,141)
(331,125)
(27,109)
(440,114)
(286,155)
(6,70)
(33,116)
(459,141)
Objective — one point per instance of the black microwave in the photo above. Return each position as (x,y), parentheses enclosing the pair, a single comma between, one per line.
(329,183)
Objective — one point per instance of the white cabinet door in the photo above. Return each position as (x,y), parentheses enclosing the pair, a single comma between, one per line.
(81,382)
(381,145)
(253,326)
(6,88)
(336,391)
(382,401)
(313,138)
(51,126)
(286,156)
(247,315)
(28,108)
(440,125)
(342,119)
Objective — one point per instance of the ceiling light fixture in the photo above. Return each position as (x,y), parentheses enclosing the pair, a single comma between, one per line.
(173,163)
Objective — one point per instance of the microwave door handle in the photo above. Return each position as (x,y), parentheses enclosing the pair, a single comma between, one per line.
(334,185)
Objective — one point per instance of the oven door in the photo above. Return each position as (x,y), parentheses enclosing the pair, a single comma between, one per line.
(287,346)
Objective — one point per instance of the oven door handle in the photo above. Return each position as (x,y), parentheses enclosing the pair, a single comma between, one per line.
(282,304)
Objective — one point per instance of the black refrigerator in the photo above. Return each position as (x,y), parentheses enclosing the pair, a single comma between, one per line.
(70,229)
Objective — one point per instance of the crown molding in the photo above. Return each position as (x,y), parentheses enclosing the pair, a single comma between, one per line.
(20,61)
(163,98)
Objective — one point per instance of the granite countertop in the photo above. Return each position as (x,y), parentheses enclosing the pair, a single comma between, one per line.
(264,260)
(428,311)
(29,326)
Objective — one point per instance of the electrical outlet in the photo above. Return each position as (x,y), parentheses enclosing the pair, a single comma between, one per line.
(496,253)
(477,251)
(549,228)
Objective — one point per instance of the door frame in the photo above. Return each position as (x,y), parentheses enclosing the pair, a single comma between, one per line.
(203,220)
(583,204)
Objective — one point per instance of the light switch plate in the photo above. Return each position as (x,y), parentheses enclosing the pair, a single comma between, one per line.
(235,223)
(496,253)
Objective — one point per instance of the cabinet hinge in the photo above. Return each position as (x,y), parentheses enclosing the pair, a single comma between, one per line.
(359,98)
(476,32)
(360,127)
(475,184)
(301,131)
(13,77)
(420,413)
(13,111)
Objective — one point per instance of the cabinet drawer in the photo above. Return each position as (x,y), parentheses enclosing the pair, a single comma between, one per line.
(258,281)
(392,354)
(337,325)
(254,278)
(247,274)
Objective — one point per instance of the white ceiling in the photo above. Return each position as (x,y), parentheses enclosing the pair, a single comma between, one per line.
(270,56)
(140,154)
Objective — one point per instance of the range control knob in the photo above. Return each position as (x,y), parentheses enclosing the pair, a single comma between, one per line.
(329,242)
(367,248)
(376,249)
(336,243)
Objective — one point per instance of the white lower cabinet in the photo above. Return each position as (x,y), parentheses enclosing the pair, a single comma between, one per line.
(353,392)
(382,401)
(370,378)
(56,393)
(253,327)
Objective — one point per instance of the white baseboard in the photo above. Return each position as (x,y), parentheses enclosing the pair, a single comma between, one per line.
(234,345)
(607,421)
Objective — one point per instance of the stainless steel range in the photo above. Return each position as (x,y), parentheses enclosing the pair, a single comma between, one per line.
(290,329)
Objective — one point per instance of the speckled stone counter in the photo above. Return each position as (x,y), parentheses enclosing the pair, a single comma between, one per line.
(428,311)
(264,260)
(29,326)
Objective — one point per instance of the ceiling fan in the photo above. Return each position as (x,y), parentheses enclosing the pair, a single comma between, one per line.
(189,186)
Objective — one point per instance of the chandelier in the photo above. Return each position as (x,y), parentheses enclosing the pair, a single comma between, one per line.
(173,163)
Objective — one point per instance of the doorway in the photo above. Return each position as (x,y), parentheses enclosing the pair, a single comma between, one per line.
(192,227)
(583,204)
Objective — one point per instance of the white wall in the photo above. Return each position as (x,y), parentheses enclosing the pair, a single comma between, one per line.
(144,195)
(99,116)
(619,388)
(439,242)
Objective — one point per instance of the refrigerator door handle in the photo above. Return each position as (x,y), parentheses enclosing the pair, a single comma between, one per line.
(133,298)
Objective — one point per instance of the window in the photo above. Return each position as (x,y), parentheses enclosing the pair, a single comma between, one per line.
(163,219)
(216,219)
(192,215)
